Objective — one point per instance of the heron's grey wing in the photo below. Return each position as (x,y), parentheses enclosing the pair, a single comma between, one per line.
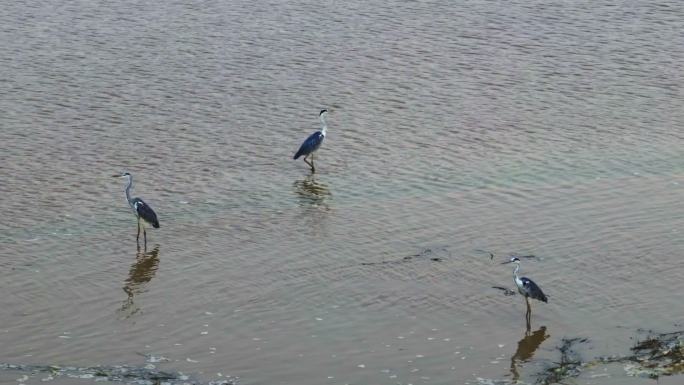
(533,290)
(145,212)
(310,144)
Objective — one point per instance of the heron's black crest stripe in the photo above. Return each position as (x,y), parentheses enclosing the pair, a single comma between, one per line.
(322,111)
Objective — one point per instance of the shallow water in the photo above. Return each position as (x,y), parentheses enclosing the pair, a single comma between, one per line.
(552,129)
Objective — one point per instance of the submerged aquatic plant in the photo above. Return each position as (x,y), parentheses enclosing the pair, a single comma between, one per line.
(569,365)
(658,355)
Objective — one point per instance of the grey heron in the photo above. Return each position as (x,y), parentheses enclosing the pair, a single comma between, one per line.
(143,211)
(526,287)
(313,142)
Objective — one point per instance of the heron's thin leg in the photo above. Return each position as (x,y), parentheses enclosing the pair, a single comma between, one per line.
(313,168)
(309,163)
(528,314)
(137,237)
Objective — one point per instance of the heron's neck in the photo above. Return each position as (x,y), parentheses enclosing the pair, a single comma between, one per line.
(515,272)
(324,129)
(128,188)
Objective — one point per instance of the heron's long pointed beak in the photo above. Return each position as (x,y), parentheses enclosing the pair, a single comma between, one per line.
(507,262)
(116,175)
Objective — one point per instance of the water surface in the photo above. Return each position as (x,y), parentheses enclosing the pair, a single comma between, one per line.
(544,128)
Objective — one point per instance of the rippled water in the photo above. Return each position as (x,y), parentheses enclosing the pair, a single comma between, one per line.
(456,129)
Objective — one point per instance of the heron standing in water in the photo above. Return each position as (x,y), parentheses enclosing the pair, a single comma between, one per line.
(526,287)
(141,209)
(313,142)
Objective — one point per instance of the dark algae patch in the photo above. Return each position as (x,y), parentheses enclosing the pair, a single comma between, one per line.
(568,366)
(653,356)
(659,354)
(117,373)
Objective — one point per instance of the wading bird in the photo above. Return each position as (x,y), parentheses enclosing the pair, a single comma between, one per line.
(313,142)
(142,210)
(527,288)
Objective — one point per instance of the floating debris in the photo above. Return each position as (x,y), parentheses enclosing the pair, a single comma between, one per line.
(118,373)
(492,255)
(506,290)
(434,255)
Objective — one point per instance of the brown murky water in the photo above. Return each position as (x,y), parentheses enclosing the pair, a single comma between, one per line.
(553,129)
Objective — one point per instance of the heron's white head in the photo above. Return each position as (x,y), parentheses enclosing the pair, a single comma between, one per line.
(323,115)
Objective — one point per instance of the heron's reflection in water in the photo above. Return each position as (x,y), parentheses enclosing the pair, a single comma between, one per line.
(313,197)
(312,192)
(526,348)
(141,272)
